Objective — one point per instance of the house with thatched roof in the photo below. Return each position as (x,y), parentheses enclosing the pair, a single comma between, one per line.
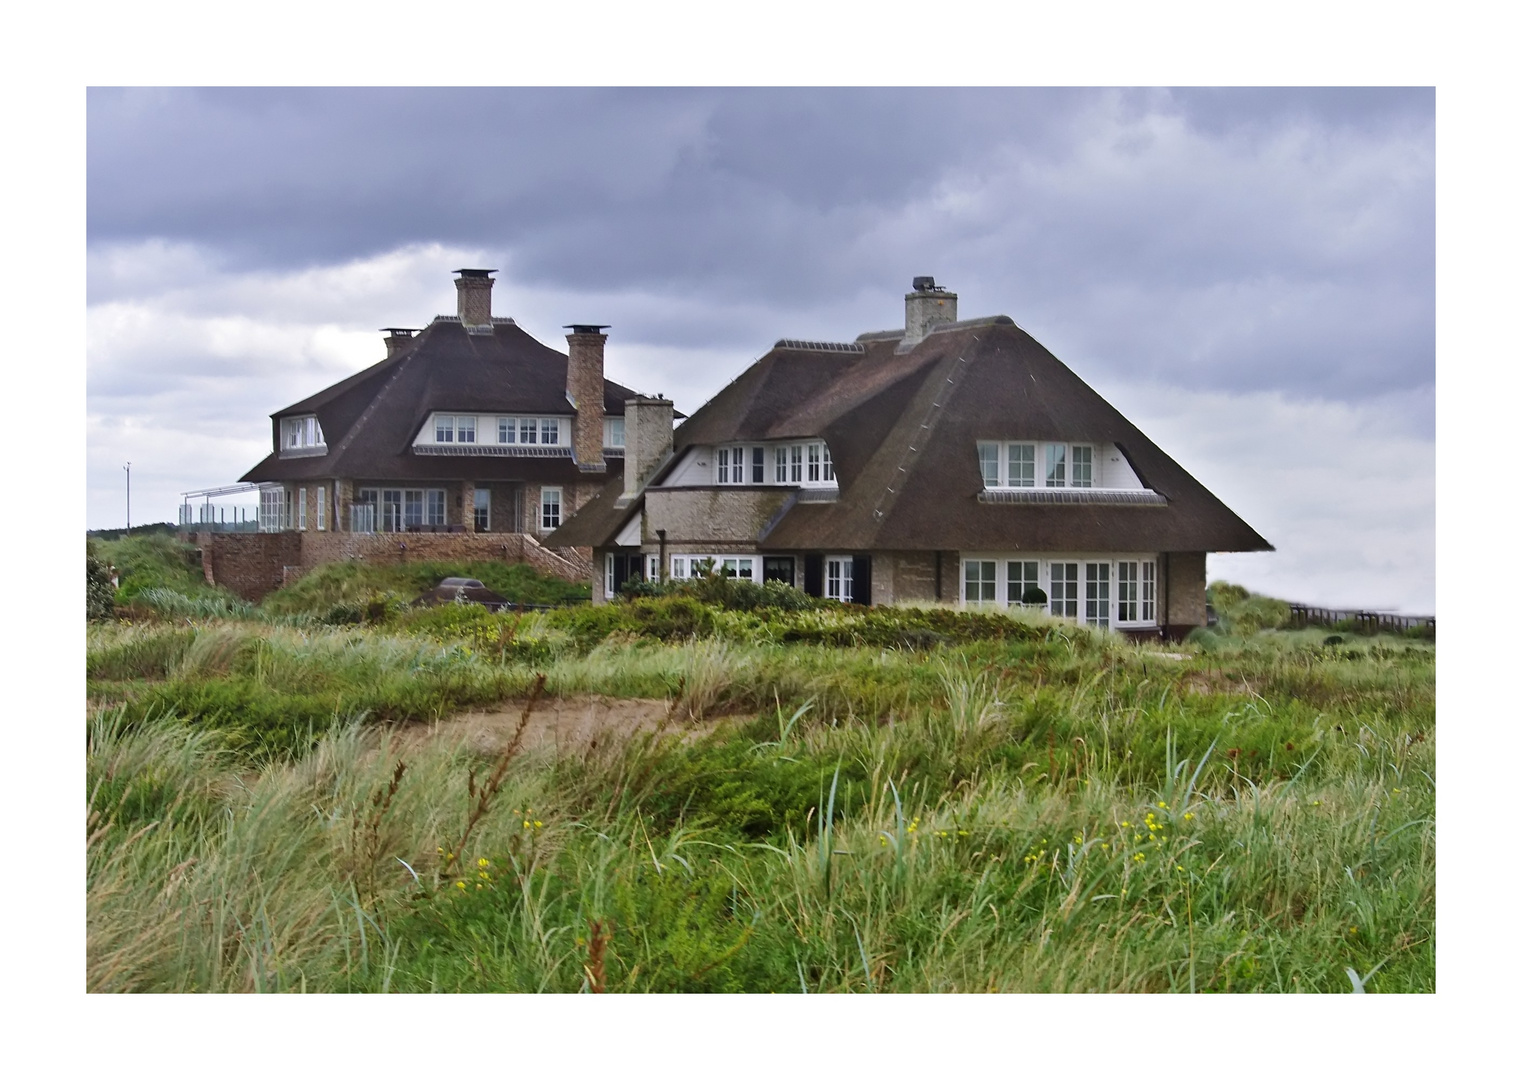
(470,440)
(950,460)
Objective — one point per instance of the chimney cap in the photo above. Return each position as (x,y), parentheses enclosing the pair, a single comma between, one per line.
(586,328)
(400,331)
(473,273)
(926,283)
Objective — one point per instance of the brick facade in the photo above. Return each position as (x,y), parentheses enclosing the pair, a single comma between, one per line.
(255,564)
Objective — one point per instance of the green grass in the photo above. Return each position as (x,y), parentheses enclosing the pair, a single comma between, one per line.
(901,800)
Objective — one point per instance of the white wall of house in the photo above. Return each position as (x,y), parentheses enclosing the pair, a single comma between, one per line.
(694,468)
(630,536)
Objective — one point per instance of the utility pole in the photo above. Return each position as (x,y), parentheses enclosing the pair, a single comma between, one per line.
(128,467)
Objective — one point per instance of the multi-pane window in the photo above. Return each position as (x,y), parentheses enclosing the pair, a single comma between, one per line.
(1013,465)
(978,581)
(529,430)
(684,567)
(1096,593)
(549,508)
(301,508)
(401,509)
(795,464)
(443,429)
(322,509)
(1083,467)
(465,429)
(1056,465)
(779,465)
(738,567)
(614,431)
(1063,595)
(837,578)
(829,465)
(298,432)
(482,510)
(1149,592)
(1022,464)
(988,463)
(814,463)
(757,465)
(412,508)
(273,510)
(1126,591)
(1021,577)
(724,464)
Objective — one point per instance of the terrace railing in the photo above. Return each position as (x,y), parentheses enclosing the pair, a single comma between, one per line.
(1303,615)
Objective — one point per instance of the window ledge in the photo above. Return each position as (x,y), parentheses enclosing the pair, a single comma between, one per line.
(1072,496)
(304,451)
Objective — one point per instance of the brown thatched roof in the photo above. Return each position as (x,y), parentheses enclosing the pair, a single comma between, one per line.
(902,426)
(371,418)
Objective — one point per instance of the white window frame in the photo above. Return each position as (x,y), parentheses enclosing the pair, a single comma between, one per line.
(394,507)
(1026,464)
(465,429)
(1029,574)
(322,509)
(980,576)
(838,573)
(549,522)
(300,432)
(274,510)
(481,496)
(1098,597)
(301,509)
(614,431)
(443,428)
(1063,603)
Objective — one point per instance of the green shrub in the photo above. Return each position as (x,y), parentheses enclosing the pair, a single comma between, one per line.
(345,592)
(100,594)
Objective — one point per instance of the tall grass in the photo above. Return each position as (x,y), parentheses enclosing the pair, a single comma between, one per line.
(1066,813)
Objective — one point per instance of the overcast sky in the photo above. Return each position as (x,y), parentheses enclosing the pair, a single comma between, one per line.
(1247,274)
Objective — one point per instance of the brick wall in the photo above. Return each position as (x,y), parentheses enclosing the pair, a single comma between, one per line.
(255,564)
(249,564)
(1185,585)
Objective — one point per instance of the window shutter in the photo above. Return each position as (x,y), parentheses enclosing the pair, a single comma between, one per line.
(861,579)
(813,575)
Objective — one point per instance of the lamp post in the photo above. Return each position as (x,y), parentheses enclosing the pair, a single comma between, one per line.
(128,467)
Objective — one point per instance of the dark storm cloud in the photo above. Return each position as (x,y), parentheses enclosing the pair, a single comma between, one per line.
(1235,239)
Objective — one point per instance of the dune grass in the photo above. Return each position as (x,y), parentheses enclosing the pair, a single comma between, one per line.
(1037,808)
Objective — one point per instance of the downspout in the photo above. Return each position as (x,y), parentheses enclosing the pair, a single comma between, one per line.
(660,568)
(1167,585)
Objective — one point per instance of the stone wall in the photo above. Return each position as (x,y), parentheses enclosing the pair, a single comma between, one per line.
(707,516)
(254,564)
(249,564)
(1184,582)
(900,577)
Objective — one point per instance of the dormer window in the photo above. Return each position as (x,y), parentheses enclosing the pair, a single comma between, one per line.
(449,429)
(613,431)
(298,433)
(1062,465)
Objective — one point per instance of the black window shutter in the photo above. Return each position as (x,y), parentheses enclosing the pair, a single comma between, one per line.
(861,579)
(813,575)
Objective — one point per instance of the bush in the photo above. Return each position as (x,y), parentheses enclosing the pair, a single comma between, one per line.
(100,594)
(346,592)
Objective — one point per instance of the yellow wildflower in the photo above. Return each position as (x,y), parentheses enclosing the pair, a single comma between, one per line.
(1189,816)
(483,863)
